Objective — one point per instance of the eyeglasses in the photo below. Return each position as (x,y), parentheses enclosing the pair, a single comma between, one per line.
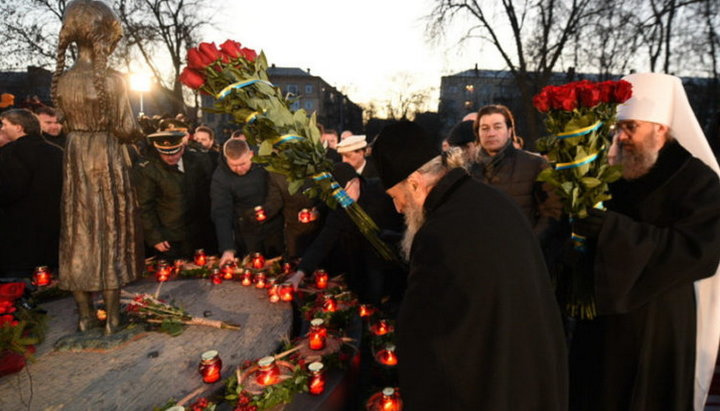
(628,127)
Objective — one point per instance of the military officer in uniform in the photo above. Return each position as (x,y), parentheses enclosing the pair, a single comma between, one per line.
(173,192)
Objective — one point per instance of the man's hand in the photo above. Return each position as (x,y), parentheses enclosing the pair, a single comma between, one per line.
(591,225)
(163,246)
(227,257)
(296,278)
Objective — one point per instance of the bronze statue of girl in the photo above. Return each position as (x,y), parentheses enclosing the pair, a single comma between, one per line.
(100,244)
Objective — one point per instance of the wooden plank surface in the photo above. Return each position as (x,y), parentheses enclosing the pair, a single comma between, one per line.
(155,367)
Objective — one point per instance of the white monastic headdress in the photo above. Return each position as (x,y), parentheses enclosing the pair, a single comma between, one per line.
(661,98)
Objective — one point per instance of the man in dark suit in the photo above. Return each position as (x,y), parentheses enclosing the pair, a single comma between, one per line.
(30,192)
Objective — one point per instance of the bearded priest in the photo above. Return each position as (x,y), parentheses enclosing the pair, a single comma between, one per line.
(479,328)
(654,343)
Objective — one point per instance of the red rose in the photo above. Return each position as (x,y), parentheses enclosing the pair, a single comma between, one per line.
(8,319)
(11,291)
(541,101)
(192,78)
(606,89)
(6,307)
(249,54)
(567,98)
(210,51)
(588,94)
(232,49)
(622,92)
(197,60)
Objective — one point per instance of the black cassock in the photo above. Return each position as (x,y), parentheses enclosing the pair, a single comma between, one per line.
(661,235)
(479,328)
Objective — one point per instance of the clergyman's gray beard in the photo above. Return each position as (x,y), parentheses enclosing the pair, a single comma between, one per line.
(414,219)
(636,164)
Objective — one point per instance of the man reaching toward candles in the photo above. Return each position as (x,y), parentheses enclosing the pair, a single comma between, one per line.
(479,328)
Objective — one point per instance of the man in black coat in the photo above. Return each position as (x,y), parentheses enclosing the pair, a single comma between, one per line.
(654,343)
(344,249)
(30,192)
(479,328)
(238,187)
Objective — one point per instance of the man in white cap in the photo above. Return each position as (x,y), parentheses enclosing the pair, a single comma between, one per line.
(353,150)
(479,327)
(654,343)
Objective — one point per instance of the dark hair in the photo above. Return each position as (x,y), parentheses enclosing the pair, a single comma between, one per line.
(206,129)
(24,118)
(495,109)
(235,148)
(47,110)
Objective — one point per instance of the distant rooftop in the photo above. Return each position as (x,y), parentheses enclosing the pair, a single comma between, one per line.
(287,71)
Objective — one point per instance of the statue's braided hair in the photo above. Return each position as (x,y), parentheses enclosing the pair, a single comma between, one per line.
(91,24)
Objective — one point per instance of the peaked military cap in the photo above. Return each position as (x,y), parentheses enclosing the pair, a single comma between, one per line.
(167,142)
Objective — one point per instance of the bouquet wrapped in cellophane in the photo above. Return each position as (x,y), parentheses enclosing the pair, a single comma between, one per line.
(288,142)
(579,118)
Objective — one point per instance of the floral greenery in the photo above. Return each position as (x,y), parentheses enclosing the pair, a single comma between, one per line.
(272,395)
(569,108)
(28,329)
(164,317)
(289,142)
(579,118)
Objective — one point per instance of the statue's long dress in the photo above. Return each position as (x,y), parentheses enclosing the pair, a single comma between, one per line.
(100,235)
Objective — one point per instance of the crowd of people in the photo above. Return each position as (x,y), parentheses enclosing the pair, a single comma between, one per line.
(479,325)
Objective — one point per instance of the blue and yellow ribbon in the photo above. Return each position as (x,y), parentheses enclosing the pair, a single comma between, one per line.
(580,132)
(342,197)
(321,176)
(286,139)
(240,84)
(252,117)
(577,163)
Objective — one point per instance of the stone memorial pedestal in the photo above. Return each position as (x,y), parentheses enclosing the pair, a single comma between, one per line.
(152,367)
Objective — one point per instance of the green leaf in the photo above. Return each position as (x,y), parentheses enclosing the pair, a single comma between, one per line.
(590,182)
(266,148)
(295,186)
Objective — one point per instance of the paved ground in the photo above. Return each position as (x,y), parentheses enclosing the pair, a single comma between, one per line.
(155,367)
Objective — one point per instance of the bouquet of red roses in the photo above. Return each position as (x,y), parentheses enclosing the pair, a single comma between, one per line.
(579,117)
(289,142)
(20,329)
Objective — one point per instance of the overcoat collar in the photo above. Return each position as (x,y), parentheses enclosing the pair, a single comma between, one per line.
(444,188)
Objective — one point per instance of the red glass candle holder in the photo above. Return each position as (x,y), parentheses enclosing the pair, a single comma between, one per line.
(268,372)
(178,266)
(387,356)
(101,315)
(381,327)
(316,380)
(321,279)
(287,268)
(200,257)
(260,215)
(228,269)
(258,261)
(305,216)
(317,334)
(41,276)
(366,310)
(162,271)
(216,277)
(210,366)
(286,292)
(260,280)
(390,400)
(247,278)
(274,293)
(329,304)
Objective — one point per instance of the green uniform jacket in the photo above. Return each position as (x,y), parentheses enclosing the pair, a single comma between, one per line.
(174,205)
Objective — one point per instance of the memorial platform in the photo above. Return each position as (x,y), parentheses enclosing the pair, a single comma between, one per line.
(152,367)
